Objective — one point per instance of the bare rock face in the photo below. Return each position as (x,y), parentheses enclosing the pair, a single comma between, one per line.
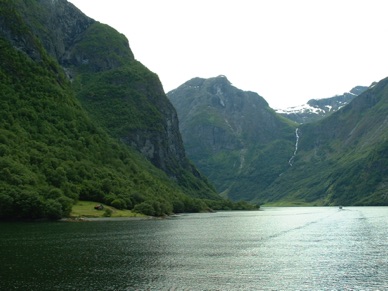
(162,144)
(74,39)
(65,24)
(60,25)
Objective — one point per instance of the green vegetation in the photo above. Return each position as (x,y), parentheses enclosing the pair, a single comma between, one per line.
(291,203)
(102,48)
(231,205)
(51,154)
(112,98)
(86,209)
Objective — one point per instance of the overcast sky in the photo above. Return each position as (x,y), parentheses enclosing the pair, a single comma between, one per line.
(288,51)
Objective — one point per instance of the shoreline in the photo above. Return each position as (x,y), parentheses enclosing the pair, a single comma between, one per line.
(91,219)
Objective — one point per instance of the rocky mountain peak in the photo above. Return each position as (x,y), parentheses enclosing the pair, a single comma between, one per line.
(63,25)
(222,126)
(70,36)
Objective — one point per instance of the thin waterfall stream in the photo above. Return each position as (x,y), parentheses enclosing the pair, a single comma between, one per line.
(296,147)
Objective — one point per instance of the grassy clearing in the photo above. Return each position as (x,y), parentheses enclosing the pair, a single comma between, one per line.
(86,209)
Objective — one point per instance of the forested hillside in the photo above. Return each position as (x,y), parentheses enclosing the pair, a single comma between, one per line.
(82,119)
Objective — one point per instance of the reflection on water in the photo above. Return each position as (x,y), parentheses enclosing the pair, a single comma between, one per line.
(310,248)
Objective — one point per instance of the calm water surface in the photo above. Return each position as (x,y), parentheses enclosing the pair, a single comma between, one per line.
(317,248)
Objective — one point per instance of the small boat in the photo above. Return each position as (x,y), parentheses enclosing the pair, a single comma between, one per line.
(340,207)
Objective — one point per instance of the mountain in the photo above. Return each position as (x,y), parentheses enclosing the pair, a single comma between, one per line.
(252,153)
(317,109)
(81,118)
(341,159)
(233,136)
(119,93)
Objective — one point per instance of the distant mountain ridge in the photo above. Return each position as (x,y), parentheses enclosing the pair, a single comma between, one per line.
(316,109)
(250,152)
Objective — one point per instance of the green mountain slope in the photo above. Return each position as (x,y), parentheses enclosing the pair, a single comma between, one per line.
(119,93)
(343,158)
(51,154)
(57,144)
(233,136)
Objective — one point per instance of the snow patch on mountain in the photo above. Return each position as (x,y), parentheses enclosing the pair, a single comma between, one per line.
(300,108)
(316,109)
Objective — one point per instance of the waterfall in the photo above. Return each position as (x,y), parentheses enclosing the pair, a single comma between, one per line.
(296,147)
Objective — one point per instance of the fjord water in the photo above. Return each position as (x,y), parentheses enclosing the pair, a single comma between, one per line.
(309,248)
